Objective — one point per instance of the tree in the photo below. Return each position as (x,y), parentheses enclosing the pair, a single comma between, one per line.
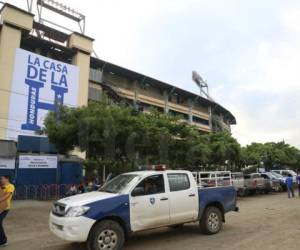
(271,155)
(117,137)
(224,149)
(99,129)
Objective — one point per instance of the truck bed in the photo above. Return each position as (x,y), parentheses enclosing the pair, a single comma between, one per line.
(226,196)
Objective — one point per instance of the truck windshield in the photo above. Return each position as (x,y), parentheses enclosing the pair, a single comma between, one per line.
(118,184)
(292,172)
(277,175)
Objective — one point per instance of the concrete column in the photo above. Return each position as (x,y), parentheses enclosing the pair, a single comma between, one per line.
(14,22)
(84,47)
(136,91)
(191,107)
(210,118)
(166,100)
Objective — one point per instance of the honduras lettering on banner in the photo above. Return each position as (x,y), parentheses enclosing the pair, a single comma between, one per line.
(39,85)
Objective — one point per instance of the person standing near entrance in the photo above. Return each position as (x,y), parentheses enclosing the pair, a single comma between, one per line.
(5,201)
(289,184)
(298,183)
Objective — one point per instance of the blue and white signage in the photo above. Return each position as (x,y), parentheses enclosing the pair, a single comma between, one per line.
(39,85)
(7,163)
(38,161)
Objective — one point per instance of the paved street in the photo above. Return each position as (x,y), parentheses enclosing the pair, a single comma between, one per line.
(264,222)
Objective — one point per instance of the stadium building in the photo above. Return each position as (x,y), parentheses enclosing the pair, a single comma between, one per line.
(41,66)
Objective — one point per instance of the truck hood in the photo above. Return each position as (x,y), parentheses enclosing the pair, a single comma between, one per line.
(86,198)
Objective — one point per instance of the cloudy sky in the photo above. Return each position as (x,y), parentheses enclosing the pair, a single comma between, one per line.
(248,51)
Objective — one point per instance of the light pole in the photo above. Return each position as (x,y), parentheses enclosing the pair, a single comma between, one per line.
(203,86)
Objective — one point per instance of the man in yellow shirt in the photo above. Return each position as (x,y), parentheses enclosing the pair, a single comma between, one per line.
(8,190)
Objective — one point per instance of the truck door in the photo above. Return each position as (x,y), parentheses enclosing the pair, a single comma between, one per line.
(184,199)
(149,204)
(260,180)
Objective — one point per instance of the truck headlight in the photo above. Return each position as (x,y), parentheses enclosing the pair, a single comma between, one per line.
(76,211)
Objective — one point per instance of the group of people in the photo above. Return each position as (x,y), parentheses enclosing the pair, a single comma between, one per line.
(6,194)
(82,188)
(290,185)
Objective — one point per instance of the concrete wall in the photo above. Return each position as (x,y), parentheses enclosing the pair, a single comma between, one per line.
(14,23)
(84,47)
(18,18)
(145,93)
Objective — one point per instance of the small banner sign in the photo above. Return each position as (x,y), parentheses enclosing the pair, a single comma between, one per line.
(7,163)
(38,161)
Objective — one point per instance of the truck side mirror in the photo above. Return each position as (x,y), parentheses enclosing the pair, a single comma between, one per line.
(138,191)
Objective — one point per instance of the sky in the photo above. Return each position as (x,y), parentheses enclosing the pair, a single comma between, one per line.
(247,51)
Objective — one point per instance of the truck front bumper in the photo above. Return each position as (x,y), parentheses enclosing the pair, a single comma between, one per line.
(74,229)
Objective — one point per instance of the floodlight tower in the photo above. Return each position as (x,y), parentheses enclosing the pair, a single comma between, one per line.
(203,86)
(60,9)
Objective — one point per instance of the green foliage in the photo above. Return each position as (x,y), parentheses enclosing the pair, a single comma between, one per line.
(117,137)
(271,155)
(223,147)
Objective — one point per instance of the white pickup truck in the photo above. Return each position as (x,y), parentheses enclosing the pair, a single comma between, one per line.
(238,182)
(139,201)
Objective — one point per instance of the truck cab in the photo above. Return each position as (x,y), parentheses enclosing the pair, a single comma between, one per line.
(285,173)
(238,182)
(254,183)
(271,182)
(138,201)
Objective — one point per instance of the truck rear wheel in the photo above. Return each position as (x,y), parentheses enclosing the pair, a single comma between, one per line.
(106,234)
(212,220)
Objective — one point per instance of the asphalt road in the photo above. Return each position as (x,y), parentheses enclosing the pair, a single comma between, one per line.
(264,222)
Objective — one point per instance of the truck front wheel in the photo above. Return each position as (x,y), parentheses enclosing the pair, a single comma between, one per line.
(106,234)
(212,220)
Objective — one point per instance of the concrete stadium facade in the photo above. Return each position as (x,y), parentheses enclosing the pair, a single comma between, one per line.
(20,32)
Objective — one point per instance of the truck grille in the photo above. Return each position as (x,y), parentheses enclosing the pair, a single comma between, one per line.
(59,209)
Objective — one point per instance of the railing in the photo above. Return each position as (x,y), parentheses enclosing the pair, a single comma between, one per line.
(41,192)
(213,179)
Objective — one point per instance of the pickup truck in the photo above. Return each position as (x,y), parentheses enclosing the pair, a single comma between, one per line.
(238,182)
(281,179)
(254,183)
(138,201)
(286,172)
(271,182)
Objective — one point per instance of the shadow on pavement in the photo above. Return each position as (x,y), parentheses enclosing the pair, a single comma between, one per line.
(68,246)
(163,235)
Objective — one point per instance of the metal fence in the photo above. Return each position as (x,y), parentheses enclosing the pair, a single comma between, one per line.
(41,192)
(213,179)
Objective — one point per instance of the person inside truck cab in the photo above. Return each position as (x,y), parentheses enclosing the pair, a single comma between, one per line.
(150,187)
